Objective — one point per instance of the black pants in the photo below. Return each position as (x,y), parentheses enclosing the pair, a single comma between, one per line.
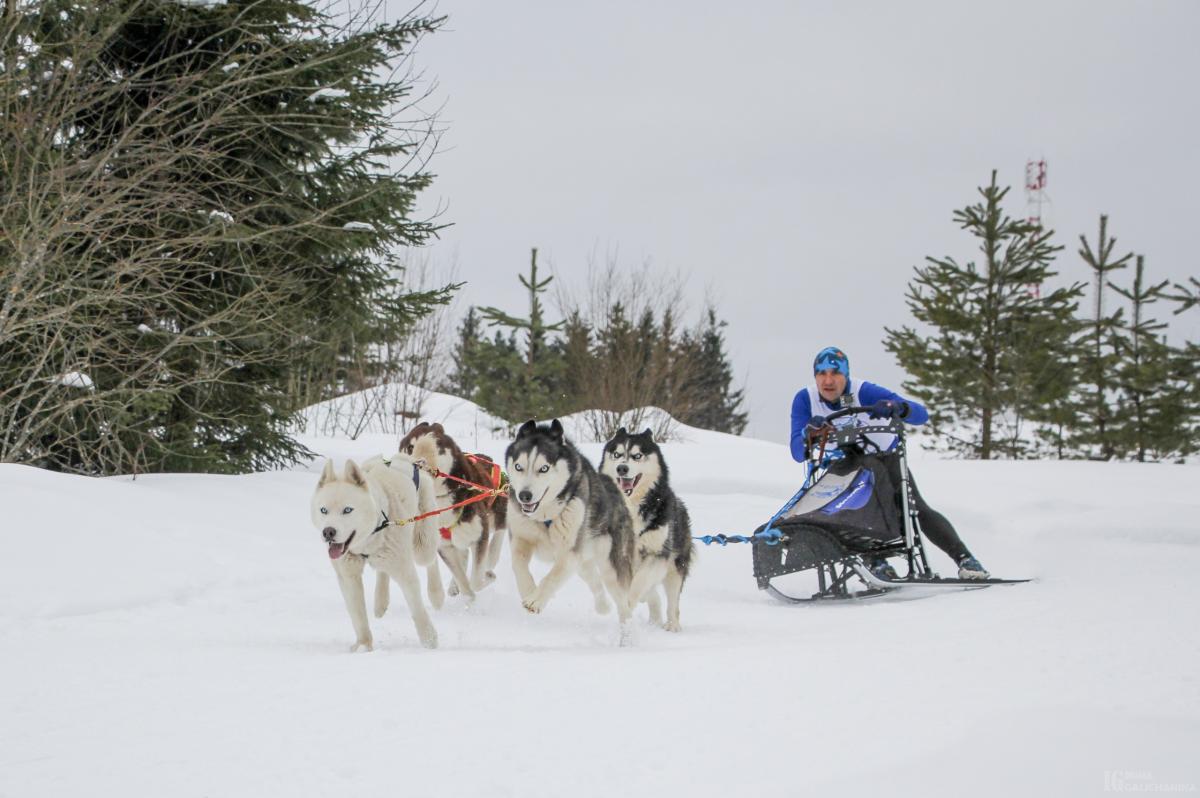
(934,525)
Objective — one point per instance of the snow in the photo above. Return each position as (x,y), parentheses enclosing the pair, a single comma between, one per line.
(327,92)
(76,379)
(223,216)
(365,226)
(184,635)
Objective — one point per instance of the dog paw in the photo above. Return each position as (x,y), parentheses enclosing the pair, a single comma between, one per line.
(453,589)
(429,638)
(672,626)
(362,645)
(380,609)
(534,603)
(626,635)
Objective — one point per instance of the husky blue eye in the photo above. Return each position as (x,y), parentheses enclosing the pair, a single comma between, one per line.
(636,457)
(543,469)
(324,511)
(518,467)
(347,510)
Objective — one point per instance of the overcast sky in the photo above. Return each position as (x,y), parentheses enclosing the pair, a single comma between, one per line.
(795,160)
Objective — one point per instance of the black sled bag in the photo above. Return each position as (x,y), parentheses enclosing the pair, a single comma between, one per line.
(854,508)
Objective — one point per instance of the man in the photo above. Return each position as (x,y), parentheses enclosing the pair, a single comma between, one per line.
(834,390)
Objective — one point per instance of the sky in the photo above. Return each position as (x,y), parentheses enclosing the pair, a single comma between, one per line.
(793,161)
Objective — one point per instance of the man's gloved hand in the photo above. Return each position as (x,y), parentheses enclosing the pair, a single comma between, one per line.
(815,423)
(886,408)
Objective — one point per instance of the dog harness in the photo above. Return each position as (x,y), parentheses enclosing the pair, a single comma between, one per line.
(386,522)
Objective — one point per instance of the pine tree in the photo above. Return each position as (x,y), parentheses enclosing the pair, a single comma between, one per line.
(464,380)
(1152,407)
(992,360)
(536,389)
(1098,351)
(717,405)
(210,191)
(1188,296)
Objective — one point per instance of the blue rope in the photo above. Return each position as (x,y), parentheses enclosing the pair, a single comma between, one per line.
(771,536)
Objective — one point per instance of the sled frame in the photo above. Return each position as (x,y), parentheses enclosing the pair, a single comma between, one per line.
(835,564)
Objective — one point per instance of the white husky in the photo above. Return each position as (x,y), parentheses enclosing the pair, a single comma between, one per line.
(362,517)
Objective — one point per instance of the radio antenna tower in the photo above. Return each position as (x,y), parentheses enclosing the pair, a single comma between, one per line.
(1035,198)
(1035,190)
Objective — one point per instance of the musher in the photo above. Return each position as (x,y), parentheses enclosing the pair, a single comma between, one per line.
(833,391)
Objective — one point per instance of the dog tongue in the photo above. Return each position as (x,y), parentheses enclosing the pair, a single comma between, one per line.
(337,550)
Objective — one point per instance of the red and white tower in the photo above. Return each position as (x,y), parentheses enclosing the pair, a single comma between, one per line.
(1035,190)
(1035,198)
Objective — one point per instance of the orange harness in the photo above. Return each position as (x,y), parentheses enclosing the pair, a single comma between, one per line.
(498,489)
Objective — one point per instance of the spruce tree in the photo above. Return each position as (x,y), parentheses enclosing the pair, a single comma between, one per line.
(210,190)
(534,390)
(717,405)
(991,360)
(1188,296)
(464,380)
(1152,406)
(1098,352)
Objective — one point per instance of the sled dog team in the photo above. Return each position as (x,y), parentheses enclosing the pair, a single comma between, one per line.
(621,529)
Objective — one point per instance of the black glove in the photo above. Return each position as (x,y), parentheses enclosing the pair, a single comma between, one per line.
(886,408)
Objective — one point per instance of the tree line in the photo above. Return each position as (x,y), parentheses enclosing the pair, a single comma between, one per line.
(620,350)
(1011,366)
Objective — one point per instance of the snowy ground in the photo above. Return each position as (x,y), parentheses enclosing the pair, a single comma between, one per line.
(184,636)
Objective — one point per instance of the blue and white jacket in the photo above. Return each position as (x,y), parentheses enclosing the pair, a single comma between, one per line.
(861,394)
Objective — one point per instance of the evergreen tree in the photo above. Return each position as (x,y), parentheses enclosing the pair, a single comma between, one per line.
(992,360)
(534,390)
(1098,351)
(717,406)
(1188,296)
(210,189)
(1152,409)
(465,378)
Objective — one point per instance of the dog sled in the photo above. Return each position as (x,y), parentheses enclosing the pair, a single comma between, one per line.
(851,510)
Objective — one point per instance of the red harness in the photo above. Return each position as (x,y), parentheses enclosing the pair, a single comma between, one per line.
(487,493)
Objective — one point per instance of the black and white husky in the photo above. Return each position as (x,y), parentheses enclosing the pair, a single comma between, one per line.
(664,552)
(566,513)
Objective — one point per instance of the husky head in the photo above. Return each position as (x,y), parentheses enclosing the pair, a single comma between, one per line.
(634,462)
(540,468)
(343,508)
(428,444)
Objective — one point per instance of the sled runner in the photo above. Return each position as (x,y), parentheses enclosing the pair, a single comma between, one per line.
(851,509)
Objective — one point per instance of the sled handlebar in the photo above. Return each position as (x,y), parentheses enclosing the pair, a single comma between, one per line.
(847,435)
(847,411)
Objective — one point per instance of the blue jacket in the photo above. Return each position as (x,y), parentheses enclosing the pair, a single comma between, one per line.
(868,394)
